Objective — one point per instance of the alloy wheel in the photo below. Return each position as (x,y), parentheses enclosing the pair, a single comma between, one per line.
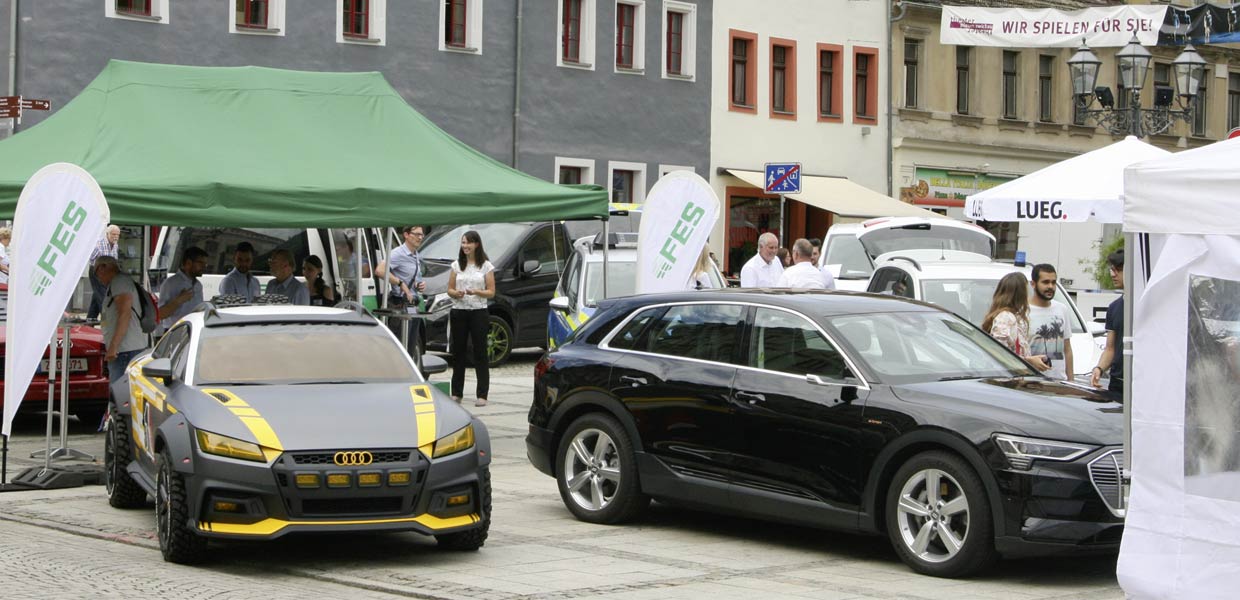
(497,342)
(592,469)
(933,515)
(163,509)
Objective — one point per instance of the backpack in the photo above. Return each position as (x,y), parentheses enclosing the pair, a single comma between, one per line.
(148,316)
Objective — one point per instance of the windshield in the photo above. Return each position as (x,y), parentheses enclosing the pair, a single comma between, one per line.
(846,251)
(927,237)
(971,298)
(497,239)
(917,347)
(293,353)
(621,280)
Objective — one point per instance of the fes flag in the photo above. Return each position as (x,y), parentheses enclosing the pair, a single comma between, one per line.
(60,216)
(677,218)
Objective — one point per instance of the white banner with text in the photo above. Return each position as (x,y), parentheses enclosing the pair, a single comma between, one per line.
(1045,28)
(677,218)
(59,218)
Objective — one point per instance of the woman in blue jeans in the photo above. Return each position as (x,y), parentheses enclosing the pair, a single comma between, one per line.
(470,285)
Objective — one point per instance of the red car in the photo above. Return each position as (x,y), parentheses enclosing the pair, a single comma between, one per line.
(88,378)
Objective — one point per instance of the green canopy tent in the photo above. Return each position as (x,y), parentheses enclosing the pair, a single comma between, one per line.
(259,147)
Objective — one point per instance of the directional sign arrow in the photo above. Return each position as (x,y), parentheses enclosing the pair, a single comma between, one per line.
(36,104)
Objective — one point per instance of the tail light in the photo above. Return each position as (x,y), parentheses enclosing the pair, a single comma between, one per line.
(544,364)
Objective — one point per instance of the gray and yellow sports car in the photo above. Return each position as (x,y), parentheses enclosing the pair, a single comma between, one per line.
(254,422)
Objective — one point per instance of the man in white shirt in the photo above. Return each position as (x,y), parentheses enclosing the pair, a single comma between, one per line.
(826,273)
(763,270)
(1050,324)
(181,292)
(239,281)
(802,274)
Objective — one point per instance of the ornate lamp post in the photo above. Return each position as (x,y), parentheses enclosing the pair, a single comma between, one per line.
(1134,64)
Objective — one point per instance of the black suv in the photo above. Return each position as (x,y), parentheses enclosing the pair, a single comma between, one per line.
(836,410)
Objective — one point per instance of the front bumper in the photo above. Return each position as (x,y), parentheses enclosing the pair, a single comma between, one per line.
(270,502)
(1062,508)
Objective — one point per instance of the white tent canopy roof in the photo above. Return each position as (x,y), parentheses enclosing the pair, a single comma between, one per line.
(1085,187)
(1192,192)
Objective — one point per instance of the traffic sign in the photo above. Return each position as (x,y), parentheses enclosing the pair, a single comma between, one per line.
(10,101)
(783,178)
(36,104)
(10,112)
(1234,133)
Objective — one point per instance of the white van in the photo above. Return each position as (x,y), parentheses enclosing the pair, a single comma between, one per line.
(850,249)
(339,250)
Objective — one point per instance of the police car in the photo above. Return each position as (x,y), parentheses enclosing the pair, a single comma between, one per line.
(258,421)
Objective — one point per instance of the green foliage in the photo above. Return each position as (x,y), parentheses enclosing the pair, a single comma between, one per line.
(1100,269)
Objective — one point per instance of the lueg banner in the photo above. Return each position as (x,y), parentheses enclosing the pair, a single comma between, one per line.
(60,216)
(677,218)
(1044,28)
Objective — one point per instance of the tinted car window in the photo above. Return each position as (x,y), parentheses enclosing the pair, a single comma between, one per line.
(170,342)
(634,331)
(701,331)
(283,354)
(846,250)
(788,343)
(572,280)
(917,347)
(546,248)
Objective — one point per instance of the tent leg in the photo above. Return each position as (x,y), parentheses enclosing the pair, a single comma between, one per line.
(1131,264)
(606,243)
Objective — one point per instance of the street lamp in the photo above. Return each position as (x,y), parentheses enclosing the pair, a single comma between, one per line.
(1134,64)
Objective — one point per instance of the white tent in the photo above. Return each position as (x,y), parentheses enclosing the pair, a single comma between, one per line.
(1182,535)
(1082,188)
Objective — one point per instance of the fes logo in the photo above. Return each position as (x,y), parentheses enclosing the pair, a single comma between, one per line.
(689,219)
(62,239)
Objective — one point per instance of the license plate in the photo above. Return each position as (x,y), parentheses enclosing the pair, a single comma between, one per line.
(76,365)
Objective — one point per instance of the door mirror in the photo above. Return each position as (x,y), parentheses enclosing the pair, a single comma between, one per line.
(160,368)
(433,365)
(530,267)
(560,303)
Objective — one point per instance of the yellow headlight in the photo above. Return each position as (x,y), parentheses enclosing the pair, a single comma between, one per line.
(220,445)
(461,439)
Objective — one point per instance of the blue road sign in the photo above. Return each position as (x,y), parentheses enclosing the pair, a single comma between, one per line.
(783,178)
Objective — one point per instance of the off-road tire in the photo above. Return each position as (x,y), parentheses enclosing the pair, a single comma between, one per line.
(628,501)
(177,542)
(473,539)
(123,491)
(977,551)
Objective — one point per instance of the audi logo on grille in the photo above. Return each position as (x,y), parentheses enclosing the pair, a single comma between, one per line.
(353,459)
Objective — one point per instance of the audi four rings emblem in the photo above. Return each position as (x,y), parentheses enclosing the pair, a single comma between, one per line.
(353,459)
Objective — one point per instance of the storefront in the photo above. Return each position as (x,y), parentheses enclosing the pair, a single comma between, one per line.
(945,190)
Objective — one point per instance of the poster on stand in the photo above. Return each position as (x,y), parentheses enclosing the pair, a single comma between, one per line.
(677,219)
(1045,28)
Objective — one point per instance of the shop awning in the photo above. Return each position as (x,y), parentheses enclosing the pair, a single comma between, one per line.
(841,196)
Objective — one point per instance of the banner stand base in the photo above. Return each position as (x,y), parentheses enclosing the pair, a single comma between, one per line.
(38,478)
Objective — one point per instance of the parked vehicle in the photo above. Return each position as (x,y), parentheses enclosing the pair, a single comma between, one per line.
(581,286)
(257,421)
(835,410)
(964,283)
(850,249)
(88,374)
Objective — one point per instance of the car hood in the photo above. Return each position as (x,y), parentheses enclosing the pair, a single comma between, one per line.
(338,416)
(1028,406)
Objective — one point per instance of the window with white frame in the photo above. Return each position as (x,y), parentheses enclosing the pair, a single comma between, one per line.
(362,22)
(460,26)
(630,35)
(260,17)
(573,170)
(154,11)
(627,181)
(665,169)
(575,33)
(679,40)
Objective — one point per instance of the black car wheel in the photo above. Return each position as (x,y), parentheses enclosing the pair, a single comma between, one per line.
(938,516)
(596,470)
(177,542)
(499,341)
(473,539)
(123,491)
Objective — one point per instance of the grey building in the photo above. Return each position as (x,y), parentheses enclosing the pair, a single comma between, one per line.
(607,90)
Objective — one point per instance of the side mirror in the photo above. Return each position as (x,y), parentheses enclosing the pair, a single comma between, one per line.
(160,368)
(530,267)
(559,303)
(433,365)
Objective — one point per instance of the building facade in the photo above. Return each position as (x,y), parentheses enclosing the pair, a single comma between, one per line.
(970,118)
(797,81)
(589,91)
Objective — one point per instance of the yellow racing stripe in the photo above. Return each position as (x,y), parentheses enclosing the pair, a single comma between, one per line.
(263,433)
(424,410)
(270,526)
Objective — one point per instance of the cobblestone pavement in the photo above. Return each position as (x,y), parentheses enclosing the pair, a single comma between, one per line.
(71,544)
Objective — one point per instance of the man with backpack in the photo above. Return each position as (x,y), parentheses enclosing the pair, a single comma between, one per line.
(122,331)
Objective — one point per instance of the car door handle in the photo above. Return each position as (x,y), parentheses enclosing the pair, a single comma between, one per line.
(634,381)
(751,397)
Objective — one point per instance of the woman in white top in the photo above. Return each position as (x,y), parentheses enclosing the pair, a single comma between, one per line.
(470,284)
(700,278)
(1008,318)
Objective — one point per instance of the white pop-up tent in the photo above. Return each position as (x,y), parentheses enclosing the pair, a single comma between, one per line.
(1082,188)
(1182,535)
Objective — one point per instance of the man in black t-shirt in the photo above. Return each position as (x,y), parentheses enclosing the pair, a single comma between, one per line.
(1112,357)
